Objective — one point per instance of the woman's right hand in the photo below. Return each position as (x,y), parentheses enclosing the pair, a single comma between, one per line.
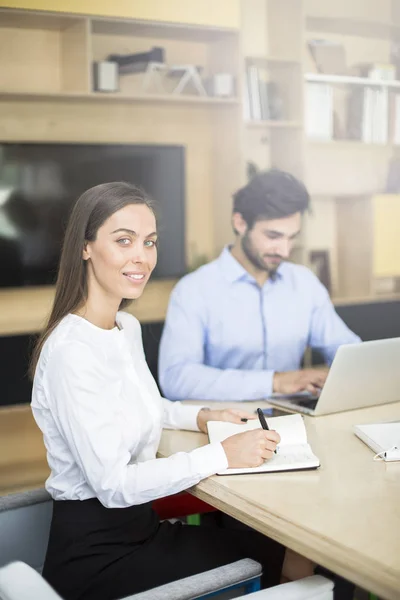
(250,448)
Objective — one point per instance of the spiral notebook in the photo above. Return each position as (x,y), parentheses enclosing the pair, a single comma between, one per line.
(294,453)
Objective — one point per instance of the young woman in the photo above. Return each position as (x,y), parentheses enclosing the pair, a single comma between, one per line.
(101,416)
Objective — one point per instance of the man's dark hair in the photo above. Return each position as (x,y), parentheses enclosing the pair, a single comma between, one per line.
(270,195)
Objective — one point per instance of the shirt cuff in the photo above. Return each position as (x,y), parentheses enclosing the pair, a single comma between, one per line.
(188,417)
(209,460)
(181,416)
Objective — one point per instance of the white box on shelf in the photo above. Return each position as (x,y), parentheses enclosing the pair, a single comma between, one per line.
(105,76)
(222,85)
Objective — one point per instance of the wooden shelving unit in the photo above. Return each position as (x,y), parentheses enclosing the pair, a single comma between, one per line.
(353,27)
(350,80)
(268,60)
(120,97)
(274,44)
(273,124)
(340,173)
(47,95)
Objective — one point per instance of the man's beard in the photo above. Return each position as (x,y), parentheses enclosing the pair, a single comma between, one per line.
(255,260)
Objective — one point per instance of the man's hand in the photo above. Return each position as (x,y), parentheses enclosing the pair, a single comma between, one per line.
(307,380)
(230,414)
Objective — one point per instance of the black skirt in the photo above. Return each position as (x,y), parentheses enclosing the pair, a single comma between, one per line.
(98,553)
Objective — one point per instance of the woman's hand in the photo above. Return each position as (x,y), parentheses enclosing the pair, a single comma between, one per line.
(250,448)
(232,415)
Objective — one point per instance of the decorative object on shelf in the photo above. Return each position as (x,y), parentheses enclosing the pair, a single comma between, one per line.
(136,63)
(319,263)
(329,57)
(275,102)
(367,115)
(105,76)
(154,77)
(393,177)
(188,75)
(376,71)
(150,63)
(251,169)
(221,85)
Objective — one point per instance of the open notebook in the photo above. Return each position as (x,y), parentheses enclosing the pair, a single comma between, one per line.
(293,453)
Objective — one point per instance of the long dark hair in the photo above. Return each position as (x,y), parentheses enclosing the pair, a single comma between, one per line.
(91,210)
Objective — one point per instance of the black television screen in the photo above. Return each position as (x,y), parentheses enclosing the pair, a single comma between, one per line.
(39,183)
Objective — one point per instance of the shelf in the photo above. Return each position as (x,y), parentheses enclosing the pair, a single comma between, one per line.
(166,31)
(349,80)
(262,60)
(118,97)
(368,299)
(354,27)
(25,19)
(24,310)
(273,124)
(350,143)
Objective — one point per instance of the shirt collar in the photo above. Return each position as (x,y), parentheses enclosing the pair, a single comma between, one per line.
(233,271)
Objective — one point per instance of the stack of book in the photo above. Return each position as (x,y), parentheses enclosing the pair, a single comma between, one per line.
(368,115)
(261,98)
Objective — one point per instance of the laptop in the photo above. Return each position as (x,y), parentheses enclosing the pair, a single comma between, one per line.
(361,375)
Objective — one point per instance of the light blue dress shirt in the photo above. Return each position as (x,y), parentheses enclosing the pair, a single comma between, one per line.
(225,336)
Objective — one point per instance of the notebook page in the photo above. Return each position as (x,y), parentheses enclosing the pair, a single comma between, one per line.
(290,427)
(288,458)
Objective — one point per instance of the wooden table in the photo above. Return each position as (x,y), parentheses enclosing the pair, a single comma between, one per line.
(345,516)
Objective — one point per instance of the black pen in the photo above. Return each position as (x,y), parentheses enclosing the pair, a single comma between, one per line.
(263,421)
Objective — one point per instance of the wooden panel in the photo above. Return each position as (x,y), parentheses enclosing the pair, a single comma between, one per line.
(75,59)
(287,151)
(25,310)
(368,10)
(285,27)
(338,168)
(354,240)
(228,173)
(29,59)
(386,235)
(217,13)
(254,27)
(32,20)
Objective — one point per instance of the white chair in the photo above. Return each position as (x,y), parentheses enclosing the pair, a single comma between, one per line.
(24,527)
(18,581)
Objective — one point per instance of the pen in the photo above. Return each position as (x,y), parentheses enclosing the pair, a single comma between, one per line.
(263,421)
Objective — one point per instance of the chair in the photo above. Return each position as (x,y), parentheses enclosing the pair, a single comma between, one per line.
(182,505)
(24,527)
(18,581)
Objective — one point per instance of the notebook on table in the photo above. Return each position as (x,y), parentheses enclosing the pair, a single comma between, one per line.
(293,453)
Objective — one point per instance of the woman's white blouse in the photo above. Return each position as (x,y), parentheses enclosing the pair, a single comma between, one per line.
(101,415)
